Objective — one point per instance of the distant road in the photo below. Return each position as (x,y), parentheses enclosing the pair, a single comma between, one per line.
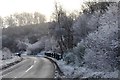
(31,67)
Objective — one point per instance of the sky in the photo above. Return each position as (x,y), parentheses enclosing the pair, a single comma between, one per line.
(45,7)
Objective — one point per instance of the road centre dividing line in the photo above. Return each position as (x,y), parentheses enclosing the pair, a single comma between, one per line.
(29,68)
(35,62)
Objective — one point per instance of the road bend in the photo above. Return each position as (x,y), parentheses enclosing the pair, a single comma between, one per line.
(31,67)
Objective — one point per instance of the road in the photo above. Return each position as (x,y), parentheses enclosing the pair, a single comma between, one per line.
(31,67)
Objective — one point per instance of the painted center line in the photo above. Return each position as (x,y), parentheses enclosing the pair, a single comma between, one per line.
(34,62)
(15,77)
(29,68)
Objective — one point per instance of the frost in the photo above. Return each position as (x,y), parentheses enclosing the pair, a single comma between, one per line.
(100,44)
(84,72)
(6,54)
(95,55)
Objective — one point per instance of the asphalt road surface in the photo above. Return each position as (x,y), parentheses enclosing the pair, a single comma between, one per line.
(31,67)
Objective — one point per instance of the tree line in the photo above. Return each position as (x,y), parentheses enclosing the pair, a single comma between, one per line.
(21,19)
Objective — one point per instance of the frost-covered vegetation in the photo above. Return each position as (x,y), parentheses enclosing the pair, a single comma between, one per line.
(6,54)
(84,72)
(96,52)
(88,41)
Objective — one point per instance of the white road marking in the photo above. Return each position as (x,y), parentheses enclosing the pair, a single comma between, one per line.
(35,62)
(6,74)
(15,77)
(25,71)
(29,68)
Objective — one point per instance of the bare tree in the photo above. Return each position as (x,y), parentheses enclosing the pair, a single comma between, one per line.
(10,21)
(28,17)
(62,28)
(1,22)
(38,18)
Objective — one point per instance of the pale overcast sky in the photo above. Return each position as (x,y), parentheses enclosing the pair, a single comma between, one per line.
(45,7)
